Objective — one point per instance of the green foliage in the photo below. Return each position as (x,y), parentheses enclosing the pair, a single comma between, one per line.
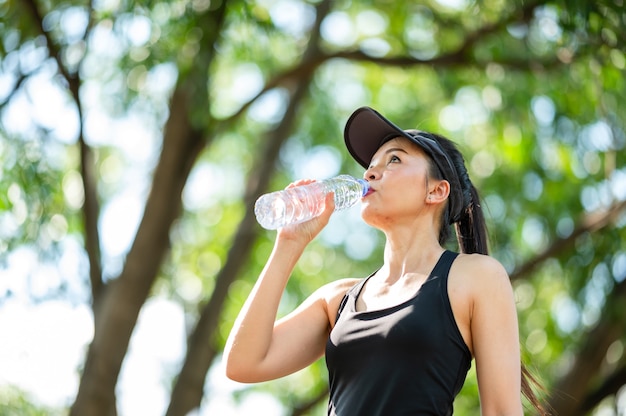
(34,212)
(532,92)
(15,402)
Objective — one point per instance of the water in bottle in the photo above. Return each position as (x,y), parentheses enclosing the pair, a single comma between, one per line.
(301,203)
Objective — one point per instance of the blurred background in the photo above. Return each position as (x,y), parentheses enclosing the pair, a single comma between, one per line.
(135,137)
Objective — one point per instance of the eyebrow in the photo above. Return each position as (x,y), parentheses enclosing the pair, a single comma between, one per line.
(395,149)
(391,150)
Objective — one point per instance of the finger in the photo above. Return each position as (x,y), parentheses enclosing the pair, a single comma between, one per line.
(300,182)
(330,201)
(329,205)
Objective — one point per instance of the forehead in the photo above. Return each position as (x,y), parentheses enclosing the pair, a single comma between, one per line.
(399,143)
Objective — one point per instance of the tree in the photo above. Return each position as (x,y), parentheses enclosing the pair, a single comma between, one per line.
(531,90)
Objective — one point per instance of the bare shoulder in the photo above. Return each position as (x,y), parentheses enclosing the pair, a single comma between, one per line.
(482,273)
(335,290)
(481,263)
(332,293)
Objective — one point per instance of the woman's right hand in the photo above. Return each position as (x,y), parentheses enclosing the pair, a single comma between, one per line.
(306,231)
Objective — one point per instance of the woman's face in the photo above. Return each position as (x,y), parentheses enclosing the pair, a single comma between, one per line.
(399,179)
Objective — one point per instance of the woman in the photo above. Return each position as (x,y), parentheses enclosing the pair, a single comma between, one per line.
(400,341)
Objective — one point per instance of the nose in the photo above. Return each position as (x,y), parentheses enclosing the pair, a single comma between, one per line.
(370,173)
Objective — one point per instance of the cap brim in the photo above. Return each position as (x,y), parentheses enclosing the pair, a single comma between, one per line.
(366,130)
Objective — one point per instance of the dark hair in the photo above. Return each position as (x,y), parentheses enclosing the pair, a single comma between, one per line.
(472,237)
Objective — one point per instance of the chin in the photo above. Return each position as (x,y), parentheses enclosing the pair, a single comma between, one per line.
(372,219)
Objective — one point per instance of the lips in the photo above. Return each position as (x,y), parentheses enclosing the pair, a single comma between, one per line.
(369,192)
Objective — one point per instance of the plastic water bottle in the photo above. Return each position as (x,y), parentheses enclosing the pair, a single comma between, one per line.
(301,203)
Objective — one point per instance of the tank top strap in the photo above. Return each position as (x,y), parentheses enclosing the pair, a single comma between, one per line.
(442,268)
(354,292)
(342,305)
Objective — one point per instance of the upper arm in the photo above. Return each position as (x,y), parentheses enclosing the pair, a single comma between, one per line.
(495,338)
(300,337)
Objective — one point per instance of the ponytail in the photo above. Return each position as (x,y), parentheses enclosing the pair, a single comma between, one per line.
(471,235)
(528,382)
(471,230)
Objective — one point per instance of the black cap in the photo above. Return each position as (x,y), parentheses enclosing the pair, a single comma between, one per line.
(366,130)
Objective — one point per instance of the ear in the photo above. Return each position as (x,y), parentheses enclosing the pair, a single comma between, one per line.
(439,191)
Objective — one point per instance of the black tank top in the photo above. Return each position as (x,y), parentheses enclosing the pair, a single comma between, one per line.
(408,359)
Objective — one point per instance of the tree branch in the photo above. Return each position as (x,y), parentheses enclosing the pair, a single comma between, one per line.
(305,407)
(609,387)
(18,84)
(569,392)
(592,222)
(456,58)
(91,207)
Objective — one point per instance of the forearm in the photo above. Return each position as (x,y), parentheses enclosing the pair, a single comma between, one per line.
(251,337)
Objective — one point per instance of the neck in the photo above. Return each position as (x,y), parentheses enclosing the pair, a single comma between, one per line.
(410,250)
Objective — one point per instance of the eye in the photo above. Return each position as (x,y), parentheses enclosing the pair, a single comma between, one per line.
(394,159)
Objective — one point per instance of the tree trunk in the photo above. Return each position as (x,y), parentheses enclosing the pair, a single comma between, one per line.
(120,305)
(189,387)
(568,396)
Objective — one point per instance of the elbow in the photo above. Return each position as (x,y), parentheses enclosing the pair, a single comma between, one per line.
(234,374)
(233,367)
(243,366)
(238,371)
(242,375)
(233,371)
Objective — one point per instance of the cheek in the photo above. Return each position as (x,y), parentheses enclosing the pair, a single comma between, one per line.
(402,187)
(393,202)
(411,187)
